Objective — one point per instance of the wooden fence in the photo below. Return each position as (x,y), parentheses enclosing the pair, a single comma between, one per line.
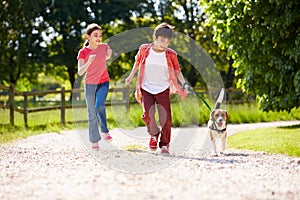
(25,109)
(233,96)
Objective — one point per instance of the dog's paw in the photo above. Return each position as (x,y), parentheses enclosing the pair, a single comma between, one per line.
(222,153)
(214,154)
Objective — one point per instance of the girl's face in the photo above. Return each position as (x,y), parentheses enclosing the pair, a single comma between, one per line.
(161,43)
(95,38)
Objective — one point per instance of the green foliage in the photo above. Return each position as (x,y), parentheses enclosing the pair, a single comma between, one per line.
(249,113)
(188,18)
(280,140)
(68,19)
(20,39)
(45,36)
(263,38)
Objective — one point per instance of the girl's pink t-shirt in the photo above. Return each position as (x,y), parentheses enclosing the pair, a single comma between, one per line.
(97,71)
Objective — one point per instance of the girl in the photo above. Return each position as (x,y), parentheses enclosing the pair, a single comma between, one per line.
(92,61)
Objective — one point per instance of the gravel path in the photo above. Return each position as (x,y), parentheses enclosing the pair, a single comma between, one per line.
(61,166)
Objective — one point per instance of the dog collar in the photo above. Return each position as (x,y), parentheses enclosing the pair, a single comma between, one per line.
(219,131)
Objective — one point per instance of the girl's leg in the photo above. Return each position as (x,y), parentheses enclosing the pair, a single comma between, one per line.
(148,102)
(101,94)
(165,117)
(90,92)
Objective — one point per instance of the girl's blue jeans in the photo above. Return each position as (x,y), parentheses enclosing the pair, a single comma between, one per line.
(95,96)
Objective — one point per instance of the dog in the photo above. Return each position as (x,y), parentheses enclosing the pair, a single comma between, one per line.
(217,126)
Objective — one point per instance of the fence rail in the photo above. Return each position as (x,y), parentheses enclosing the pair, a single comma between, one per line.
(25,110)
(233,96)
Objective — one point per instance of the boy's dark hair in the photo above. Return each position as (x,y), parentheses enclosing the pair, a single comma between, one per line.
(164,29)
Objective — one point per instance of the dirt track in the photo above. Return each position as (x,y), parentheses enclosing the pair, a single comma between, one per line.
(59,166)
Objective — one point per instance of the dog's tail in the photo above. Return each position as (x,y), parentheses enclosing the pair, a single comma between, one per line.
(220,99)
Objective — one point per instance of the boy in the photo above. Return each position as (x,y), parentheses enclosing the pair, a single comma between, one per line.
(159,73)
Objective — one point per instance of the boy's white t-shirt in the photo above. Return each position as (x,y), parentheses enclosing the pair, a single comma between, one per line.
(156,76)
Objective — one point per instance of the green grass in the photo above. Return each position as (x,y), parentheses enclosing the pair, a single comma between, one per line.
(279,140)
(9,133)
(249,113)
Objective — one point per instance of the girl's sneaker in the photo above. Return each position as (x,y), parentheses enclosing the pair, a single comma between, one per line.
(95,146)
(107,137)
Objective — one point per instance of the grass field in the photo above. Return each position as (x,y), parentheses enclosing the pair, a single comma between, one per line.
(280,140)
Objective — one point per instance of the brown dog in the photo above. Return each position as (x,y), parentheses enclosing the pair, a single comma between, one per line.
(217,126)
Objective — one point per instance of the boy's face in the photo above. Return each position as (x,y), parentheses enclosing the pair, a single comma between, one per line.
(161,43)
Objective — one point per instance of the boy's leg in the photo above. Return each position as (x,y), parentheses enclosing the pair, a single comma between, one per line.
(165,118)
(148,102)
(90,92)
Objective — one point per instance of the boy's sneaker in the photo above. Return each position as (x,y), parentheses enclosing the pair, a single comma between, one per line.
(153,142)
(165,150)
(95,146)
(107,137)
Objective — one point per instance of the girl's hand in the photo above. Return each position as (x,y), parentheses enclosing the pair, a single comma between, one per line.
(108,53)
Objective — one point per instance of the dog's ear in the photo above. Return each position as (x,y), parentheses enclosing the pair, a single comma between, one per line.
(226,115)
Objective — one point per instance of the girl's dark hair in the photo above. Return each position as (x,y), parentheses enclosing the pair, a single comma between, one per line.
(164,29)
(89,30)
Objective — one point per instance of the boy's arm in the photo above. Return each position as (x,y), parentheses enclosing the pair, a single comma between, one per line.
(135,66)
(179,75)
(132,73)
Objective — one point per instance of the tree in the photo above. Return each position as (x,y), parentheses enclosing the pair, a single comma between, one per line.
(63,22)
(263,38)
(119,16)
(66,20)
(189,19)
(20,41)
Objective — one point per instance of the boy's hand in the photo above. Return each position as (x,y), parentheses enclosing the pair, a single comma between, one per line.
(128,80)
(186,88)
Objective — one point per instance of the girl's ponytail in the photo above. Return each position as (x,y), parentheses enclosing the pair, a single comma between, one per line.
(86,43)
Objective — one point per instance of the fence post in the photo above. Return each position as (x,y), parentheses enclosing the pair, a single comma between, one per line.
(12,103)
(63,106)
(25,109)
(229,96)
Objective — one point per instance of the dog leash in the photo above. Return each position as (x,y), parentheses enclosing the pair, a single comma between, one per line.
(193,92)
(209,108)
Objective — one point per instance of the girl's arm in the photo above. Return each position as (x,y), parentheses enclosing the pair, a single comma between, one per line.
(82,67)
(108,53)
(132,73)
